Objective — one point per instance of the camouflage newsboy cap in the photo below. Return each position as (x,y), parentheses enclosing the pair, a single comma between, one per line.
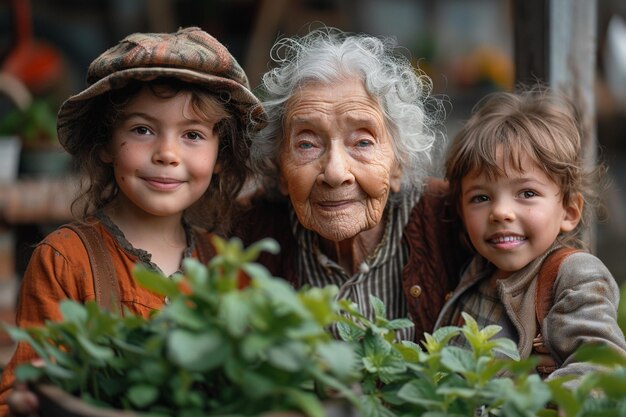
(190,55)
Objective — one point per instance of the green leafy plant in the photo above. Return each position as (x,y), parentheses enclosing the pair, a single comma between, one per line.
(400,378)
(218,349)
(35,124)
(214,349)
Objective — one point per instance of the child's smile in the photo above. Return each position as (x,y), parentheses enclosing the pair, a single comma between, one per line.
(505,241)
(163,184)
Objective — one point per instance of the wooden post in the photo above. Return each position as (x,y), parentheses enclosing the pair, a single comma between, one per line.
(531,41)
(573,32)
(555,43)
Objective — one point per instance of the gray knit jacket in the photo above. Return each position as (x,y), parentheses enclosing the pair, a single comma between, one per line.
(586,299)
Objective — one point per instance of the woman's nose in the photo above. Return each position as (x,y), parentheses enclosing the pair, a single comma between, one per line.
(166,152)
(337,169)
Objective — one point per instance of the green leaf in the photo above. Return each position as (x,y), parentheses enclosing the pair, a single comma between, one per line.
(196,352)
(349,332)
(529,395)
(155,282)
(422,393)
(613,384)
(253,347)
(399,324)
(235,313)
(306,402)
(180,313)
(264,245)
(27,372)
(340,358)
(600,354)
(521,367)
(16,334)
(376,345)
(410,351)
(101,353)
(320,304)
(458,392)
(457,359)
(436,341)
(219,243)
(58,372)
(233,253)
(290,356)
(196,271)
(387,366)
(73,312)
(256,271)
(506,347)
(280,293)
(378,306)
(337,386)
(373,407)
(490,331)
(257,385)
(142,395)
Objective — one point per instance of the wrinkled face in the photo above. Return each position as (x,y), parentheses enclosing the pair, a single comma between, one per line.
(513,219)
(163,154)
(337,161)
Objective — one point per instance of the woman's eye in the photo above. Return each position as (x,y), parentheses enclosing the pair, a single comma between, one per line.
(364,143)
(305,145)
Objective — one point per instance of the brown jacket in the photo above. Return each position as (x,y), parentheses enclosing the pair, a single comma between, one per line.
(59,269)
(435,255)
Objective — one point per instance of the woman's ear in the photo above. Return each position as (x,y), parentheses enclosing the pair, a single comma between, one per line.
(395,181)
(573,213)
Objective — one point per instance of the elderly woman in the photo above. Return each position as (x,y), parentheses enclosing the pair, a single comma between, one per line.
(343,159)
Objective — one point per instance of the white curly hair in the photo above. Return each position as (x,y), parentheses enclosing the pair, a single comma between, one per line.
(327,56)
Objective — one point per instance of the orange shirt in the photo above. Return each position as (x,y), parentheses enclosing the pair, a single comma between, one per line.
(59,268)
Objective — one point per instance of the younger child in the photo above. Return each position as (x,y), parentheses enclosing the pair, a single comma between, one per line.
(159,134)
(517,180)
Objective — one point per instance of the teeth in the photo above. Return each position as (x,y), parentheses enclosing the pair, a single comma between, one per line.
(505,239)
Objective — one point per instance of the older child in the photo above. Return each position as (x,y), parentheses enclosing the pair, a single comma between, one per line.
(160,135)
(517,179)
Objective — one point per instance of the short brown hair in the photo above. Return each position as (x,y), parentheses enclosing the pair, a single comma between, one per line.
(537,123)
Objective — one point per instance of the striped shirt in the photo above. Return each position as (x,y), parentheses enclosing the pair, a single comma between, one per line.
(379,275)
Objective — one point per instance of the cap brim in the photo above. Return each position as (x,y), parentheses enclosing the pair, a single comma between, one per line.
(74,108)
